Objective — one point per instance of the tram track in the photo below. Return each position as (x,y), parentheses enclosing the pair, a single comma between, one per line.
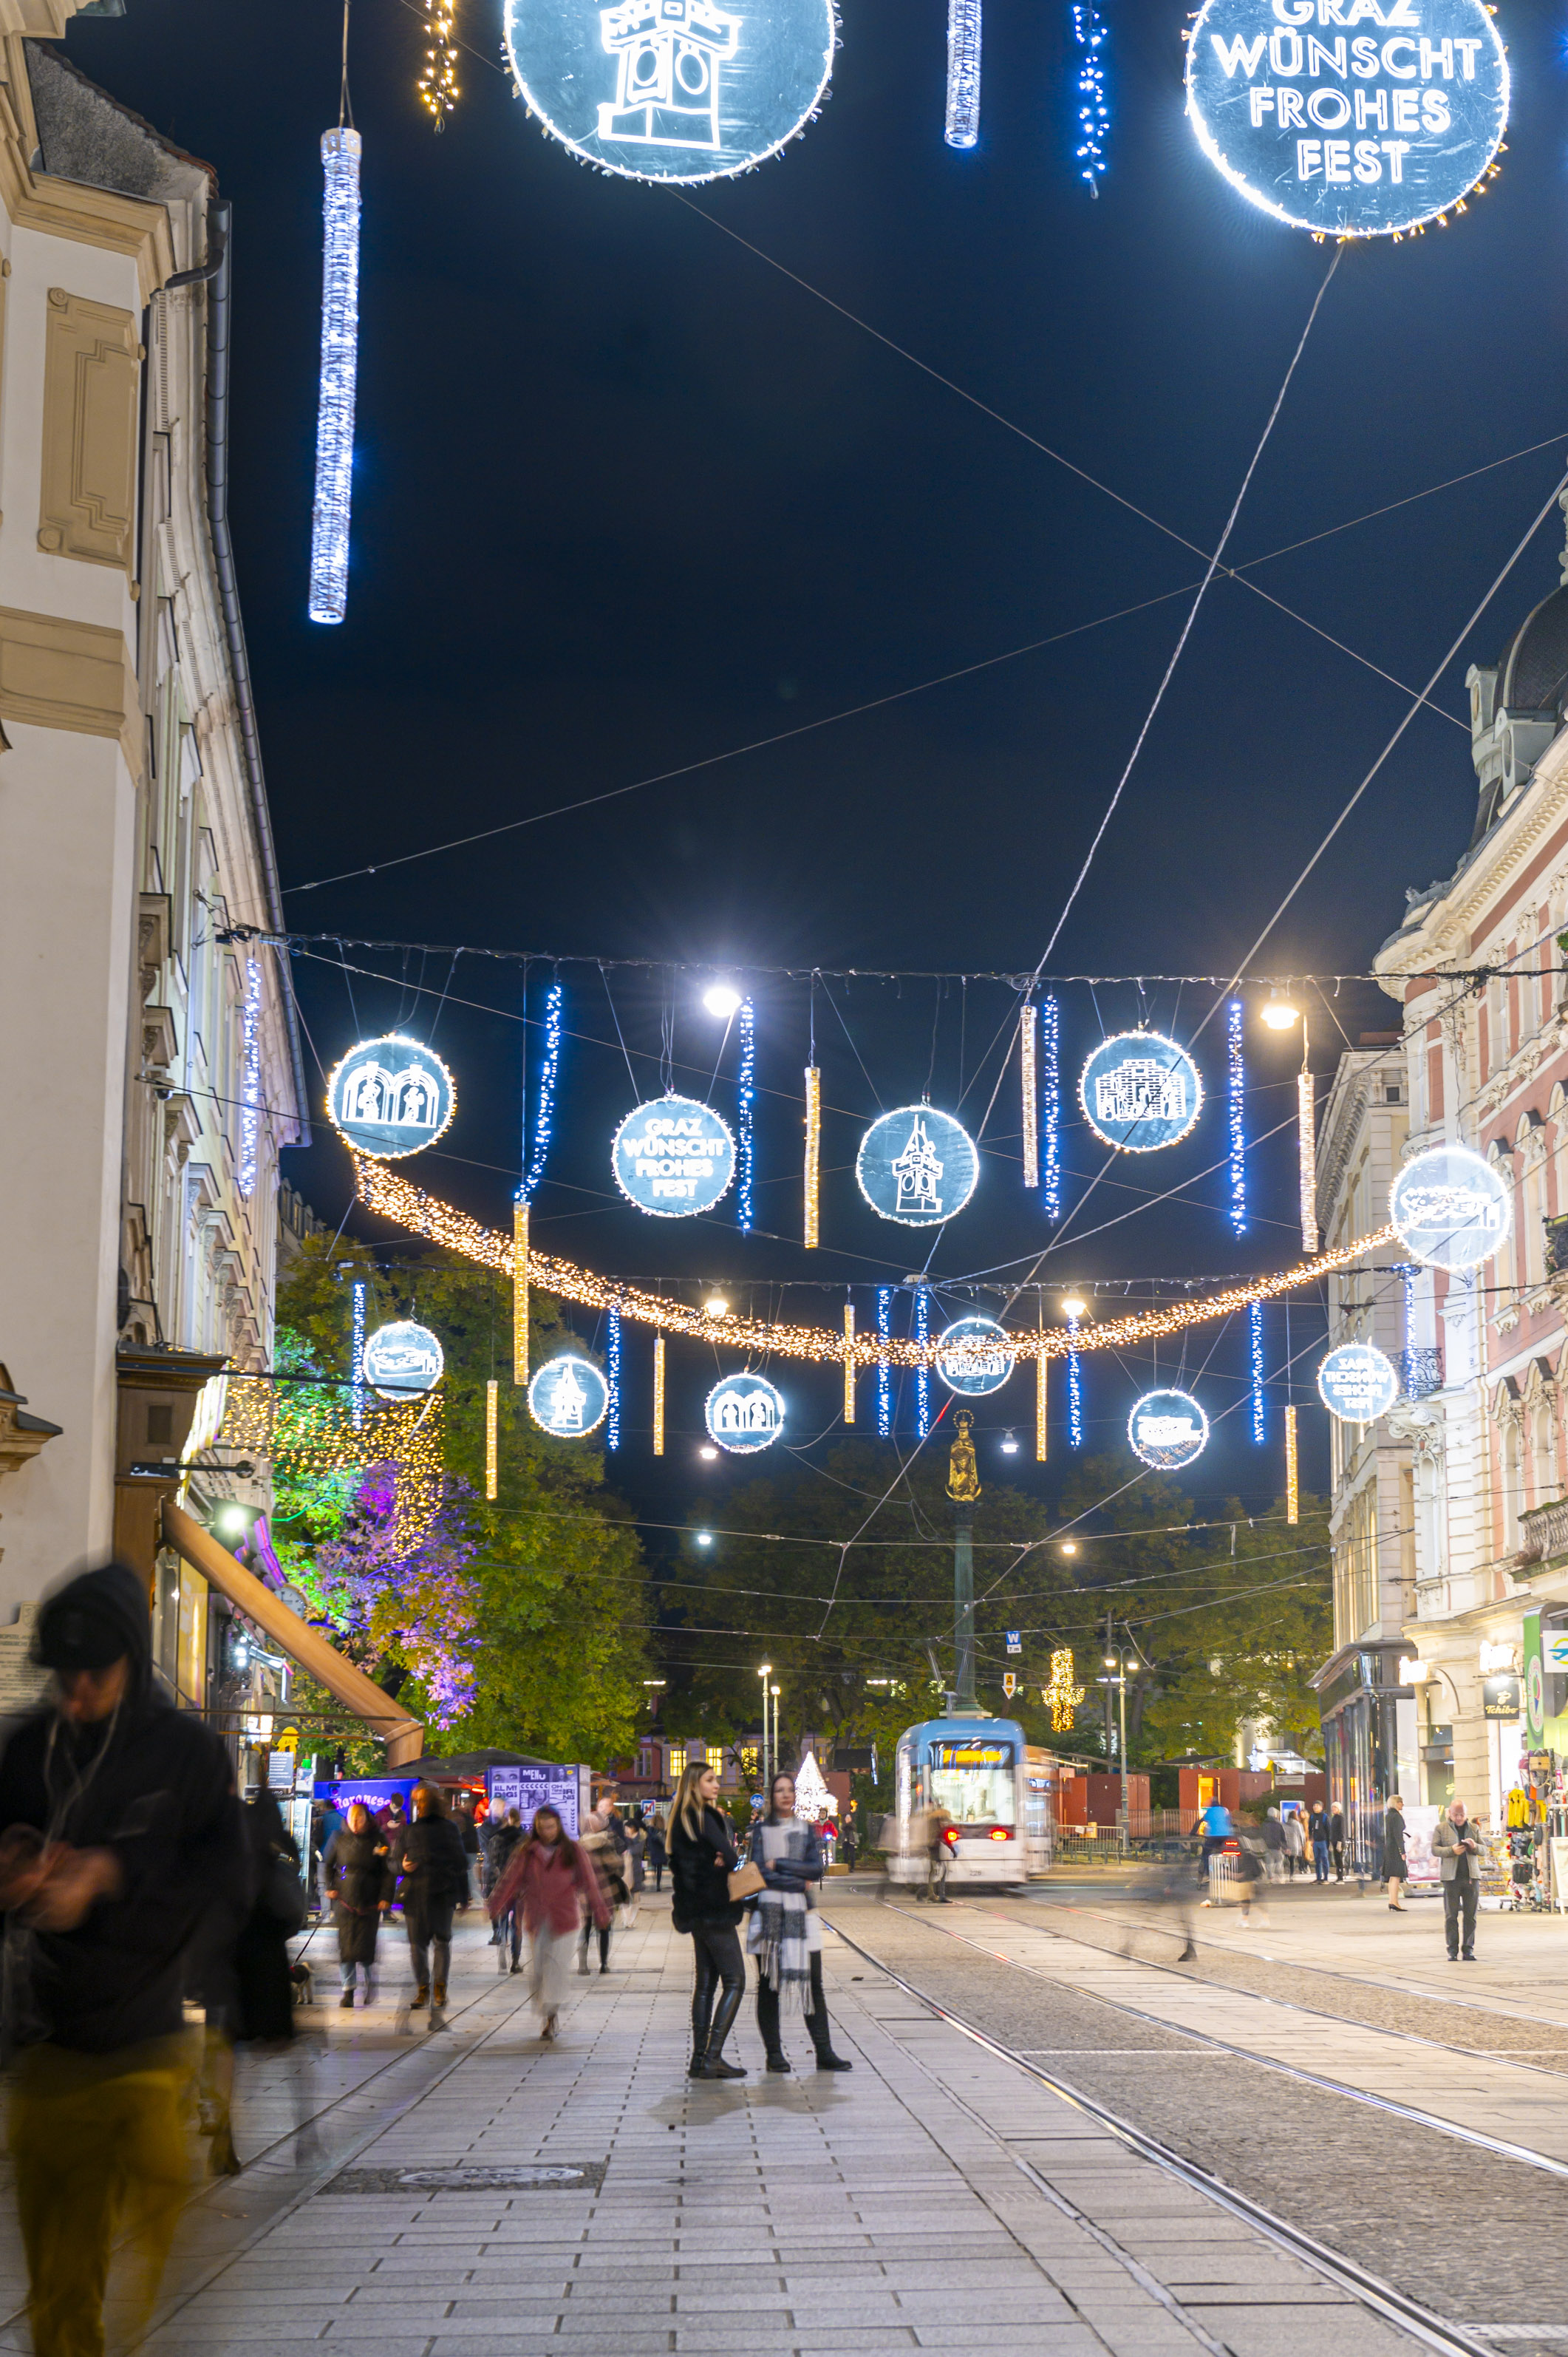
(1380,2298)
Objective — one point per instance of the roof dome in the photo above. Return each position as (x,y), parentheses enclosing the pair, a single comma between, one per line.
(1532,670)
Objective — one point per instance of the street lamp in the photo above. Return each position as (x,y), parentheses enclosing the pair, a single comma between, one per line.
(715,1306)
(723,999)
(1074,1306)
(1119,1664)
(1279,1010)
(765,1673)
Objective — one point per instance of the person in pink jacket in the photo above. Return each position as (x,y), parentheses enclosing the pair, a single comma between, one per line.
(549,1877)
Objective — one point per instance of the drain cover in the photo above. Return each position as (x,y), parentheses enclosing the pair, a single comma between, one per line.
(526,2177)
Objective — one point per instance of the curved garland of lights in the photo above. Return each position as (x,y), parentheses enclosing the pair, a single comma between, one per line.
(406,1206)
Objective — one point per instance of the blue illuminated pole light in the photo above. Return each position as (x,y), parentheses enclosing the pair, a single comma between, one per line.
(1093,110)
(612,1377)
(746,1102)
(964,73)
(251,1082)
(1074,1393)
(922,1373)
(544,1111)
(1238,1089)
(356,1356)
(339,354)
(1407,1270)
(883,1371)
(1255,1357)
(1050,1109)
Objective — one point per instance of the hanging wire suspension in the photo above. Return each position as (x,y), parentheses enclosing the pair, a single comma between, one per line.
(340,151)
(1237,1112)
(964,73)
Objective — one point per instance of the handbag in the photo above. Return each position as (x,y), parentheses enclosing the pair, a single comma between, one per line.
(746,1880)
(282,1895)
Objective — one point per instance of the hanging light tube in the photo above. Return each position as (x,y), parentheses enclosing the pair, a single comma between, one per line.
(1051,1108)
(884,1368)
(1236,1109)
(492,1390)
(1094,112)
(922,1372)
(1028,1019)
(849,1362)
(612,1372)
(340,151)
(1041,1366)
(251,1082)
(356,1356)
(1292,1490)
(1306,1139)
(519,1290)
(659,1396)
(544,1111)
(813,1156)
(746,1102)
(1074,1393)
(964,73)
(1255,1358)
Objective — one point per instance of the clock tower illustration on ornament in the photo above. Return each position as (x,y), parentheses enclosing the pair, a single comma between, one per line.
(919,1172)
(668,54)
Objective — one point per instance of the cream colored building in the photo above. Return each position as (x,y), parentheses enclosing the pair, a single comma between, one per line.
(149,1066)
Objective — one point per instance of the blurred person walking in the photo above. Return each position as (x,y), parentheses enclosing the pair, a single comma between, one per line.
(360,1877)
(939,1855)
(263,1985)
(505,1840)
(785,1932)
(1296,1844)
(435,1870)
(1317,1835)
(551,1878)
(657,1849)
(1273,1846)
(601,1839)
(1337,1842)
(701,1859)
(1457,1845)
(120,1841)
(1396,1871)
(463,1818)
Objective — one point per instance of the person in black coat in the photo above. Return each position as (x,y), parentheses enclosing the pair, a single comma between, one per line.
(265,1988)
(701,1859)
(435,1867)
(1396,1872)
(509,1925)
(658,1850)
(361,1880)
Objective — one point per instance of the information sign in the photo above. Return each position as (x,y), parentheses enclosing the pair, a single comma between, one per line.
(528,1789)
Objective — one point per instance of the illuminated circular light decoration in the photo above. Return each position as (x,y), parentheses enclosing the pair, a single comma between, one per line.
(1358,1382)
(1451,1208)
(673,1158)
(745,1413)
(390,1097)
(401,1359)
(1167,1430)
(568,1396)
(975,1356)
(1365,119)
(1140,1092)
(671,90)
(916,1165)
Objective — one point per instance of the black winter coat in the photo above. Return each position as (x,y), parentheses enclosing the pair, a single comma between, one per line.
(437,1870)
(359,1877)
(699,1871)
(1393,1847)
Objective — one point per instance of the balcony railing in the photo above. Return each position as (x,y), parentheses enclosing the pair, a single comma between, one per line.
(1544,1531)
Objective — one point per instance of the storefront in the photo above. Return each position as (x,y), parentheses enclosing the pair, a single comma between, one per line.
(1368,1743)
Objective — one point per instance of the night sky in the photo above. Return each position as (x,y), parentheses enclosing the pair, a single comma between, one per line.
(626,497)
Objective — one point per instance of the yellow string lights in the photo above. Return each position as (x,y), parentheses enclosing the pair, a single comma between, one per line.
(1028,1019)
(519,1290)
(813,1156)
(492,1391)
(659,1396)
(1061,1694)
(437,83)
(1293,1483)
(394,1197)
(1042,1377)
(328,1432)
(848,1363)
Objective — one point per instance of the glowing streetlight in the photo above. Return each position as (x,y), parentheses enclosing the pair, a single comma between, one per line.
(708,1452)
(1279,1010)
(1074,1306)
(1009,1444)
(715,1306)
(1069,1546)
(704,1538)
(723,999)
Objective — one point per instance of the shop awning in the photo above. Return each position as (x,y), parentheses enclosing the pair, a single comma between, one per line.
(404,1736)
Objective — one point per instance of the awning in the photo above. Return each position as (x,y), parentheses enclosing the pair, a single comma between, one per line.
(404,1736)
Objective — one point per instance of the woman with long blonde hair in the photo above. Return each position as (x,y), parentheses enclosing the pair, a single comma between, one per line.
(701,1859)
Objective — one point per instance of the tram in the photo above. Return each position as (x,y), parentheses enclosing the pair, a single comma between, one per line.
(998,1789)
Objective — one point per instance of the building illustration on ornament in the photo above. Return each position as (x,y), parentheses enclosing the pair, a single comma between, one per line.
(405,1100)
(1141,1089)
(919,1172)
(742,1413)
(668,54)
(569,1405)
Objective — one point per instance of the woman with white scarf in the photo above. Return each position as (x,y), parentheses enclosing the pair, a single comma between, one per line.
(785,1934)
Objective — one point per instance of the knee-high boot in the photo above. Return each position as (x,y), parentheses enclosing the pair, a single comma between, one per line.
(817,2024)
(716,2067)
(702,2016)
(767,2024)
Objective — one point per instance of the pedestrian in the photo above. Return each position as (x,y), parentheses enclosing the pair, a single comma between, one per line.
(436,1882)
(263,1987)
(506,1837)
(1337,1840)
(1215,1828)
(1273,1845)
(1317,1835)
(1457,1846)
(463,1818)
(657,1850)
(598,1842)
(1396,1871)
(549,1877)
(120,1841)
(1250,1858)
(359,1877)
(637,1856)
(785,1932)
(939,1855)
(1296,1844)
(393,1820)
(701,1859)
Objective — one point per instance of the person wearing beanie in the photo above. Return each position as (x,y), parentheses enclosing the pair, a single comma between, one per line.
(120,1845)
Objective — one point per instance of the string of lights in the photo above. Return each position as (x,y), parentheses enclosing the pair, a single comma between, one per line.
(884,1364)
(1306,1139)
(544,1110)
(317,1426)
(1292,1479)
(1042,1379)
(1236,1111)
(1074,1389)
(492,1404)
(922,1368)
(1089,31)
(250,1081)
(962,128)
(1255,1355)
(612,1379)
(1028,1021)
(437,82)
(340,151)
(1407,1272)
(393,1198)
(849,1362)
(813,1157)
(518,1272)
(356,1355)
(745,1104)
(1051,1106)
(659,1396)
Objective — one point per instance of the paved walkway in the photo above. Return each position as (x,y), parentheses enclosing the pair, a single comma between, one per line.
(934,2199)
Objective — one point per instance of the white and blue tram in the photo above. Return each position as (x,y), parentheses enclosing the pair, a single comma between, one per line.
(998,1791)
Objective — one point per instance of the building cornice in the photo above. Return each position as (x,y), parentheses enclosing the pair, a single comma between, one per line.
(1443,930)
(134,226)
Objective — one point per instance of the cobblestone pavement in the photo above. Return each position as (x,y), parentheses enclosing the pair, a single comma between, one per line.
(936,2198)
(1386,2192)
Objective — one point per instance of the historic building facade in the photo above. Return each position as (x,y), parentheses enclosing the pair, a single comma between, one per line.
(149,1063)
(1470,1530)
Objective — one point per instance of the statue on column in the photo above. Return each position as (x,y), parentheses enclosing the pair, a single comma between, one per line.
(963,1473)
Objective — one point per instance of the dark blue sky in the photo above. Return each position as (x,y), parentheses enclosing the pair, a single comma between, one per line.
(626,496)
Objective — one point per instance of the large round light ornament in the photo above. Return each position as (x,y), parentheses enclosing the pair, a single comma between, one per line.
(568,1396)
(1450,1207)
(671,90)
(1351,118)
(673,1158)
(916,1165)
(390,1097)
(974,1356)
(400,1360)
(1358,1382)
(1140,1092)
(1167,1429)
(744,1413)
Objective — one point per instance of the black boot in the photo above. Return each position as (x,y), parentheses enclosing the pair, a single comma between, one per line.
(702,2016)
(714,2065)
(768,2026)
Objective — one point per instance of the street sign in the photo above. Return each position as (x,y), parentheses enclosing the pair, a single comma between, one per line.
(1015,1641)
